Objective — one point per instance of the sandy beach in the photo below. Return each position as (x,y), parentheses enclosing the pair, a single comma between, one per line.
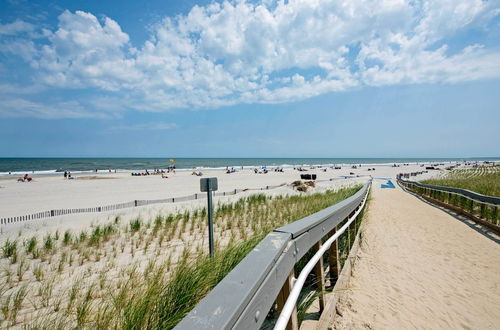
(130,253)
(88,190)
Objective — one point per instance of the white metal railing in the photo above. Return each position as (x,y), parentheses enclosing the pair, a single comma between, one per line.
(282,322)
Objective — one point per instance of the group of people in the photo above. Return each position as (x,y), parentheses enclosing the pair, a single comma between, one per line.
(67,175)
(156,171)
(145,173)
(230,170)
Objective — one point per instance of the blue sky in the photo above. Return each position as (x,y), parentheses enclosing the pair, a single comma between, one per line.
(250,78)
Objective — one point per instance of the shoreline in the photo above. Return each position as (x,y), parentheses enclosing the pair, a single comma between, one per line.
(53,192)
(57,172)
(271,165)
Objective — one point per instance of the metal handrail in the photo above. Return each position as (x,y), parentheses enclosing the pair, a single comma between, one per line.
(464,192)
(282,322)
(244,297)
(488,205)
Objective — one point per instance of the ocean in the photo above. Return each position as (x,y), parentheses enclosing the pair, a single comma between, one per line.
(53,166)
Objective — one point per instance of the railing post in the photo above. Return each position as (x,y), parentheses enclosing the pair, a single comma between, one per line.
(293,322)
(320,278)
(349,238)
(482,209)
(333,257)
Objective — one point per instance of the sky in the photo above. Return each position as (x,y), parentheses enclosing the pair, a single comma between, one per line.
(381,78)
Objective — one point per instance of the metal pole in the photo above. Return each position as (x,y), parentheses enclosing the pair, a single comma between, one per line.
(210,223)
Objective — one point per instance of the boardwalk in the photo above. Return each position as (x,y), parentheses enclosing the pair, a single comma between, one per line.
(420,268)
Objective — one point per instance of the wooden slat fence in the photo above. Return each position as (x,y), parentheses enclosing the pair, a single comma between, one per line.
(135,203)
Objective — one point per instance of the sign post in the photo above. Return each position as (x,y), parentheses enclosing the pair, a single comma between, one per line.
(209,185)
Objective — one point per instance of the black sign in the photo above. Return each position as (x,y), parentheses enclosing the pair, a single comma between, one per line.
(208,184)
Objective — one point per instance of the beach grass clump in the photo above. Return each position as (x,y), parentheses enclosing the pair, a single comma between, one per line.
(31,245)
(9,249)
(38,272)
(100,234)
(67,237)
(135,225)
(48,243)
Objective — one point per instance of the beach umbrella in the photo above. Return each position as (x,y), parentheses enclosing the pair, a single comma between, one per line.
(171,160)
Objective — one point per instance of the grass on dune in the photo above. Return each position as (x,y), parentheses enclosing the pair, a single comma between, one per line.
(483,180)
(164,304)
(75,280)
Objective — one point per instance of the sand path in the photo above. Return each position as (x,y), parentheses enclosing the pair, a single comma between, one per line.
(420,268)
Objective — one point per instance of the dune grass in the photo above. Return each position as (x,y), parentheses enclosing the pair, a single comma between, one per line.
(483,180)
(139,274)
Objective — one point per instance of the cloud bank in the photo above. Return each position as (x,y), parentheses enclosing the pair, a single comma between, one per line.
(240,52)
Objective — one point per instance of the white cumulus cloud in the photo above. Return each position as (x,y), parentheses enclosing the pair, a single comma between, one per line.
(241,52)
(16,27)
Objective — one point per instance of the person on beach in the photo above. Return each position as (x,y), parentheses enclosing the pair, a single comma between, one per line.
(65,174)
(25,178)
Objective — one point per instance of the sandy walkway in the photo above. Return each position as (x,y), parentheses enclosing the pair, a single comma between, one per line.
(420,268)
